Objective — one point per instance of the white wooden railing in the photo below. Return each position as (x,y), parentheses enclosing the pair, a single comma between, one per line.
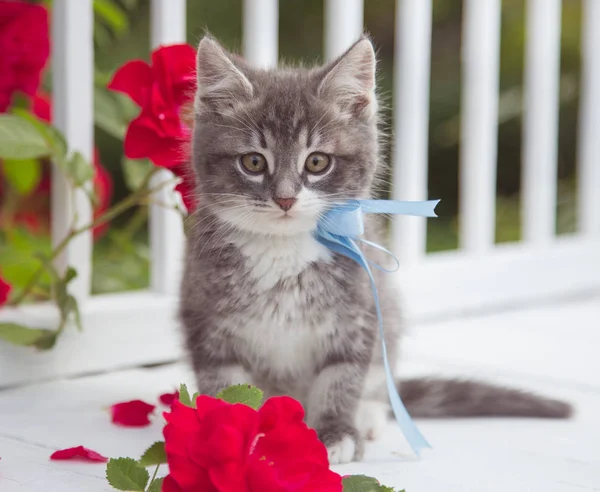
(138,328)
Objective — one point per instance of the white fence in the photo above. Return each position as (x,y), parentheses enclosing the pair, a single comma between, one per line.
(140,328)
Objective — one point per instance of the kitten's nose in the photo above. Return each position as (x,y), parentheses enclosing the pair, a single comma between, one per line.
(285,203)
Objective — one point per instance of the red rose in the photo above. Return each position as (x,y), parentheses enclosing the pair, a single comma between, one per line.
(186,186)
(24,48)
(103,185)
(160,89)
(220,447)
(5,289)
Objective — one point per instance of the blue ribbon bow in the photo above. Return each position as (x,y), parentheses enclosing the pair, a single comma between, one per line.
(339,229)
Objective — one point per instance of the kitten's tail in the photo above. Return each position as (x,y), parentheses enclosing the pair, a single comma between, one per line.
(431,398)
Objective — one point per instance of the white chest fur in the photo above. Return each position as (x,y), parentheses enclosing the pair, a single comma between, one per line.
(271,259)
(276,329)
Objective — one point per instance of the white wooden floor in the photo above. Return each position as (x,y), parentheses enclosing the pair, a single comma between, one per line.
(553,349)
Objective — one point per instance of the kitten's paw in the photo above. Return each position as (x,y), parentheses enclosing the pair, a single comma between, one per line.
(343,451)
(343,443)
(371,419)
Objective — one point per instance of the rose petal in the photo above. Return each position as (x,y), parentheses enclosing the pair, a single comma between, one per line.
(135,79)
(174,68)
(103,185)
(78,453)
(168,398)
(143,140)
(187,194)
(5,289)
(132,413)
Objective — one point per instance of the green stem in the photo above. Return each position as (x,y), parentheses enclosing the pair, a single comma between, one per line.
(110,214)
(154,476)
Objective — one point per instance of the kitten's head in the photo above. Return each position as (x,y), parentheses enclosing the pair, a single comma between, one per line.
(273,149)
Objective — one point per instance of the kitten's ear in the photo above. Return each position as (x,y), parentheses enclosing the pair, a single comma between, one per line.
(349,81)
(220,82)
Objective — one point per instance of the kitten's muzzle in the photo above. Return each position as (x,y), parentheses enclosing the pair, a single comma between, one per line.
(285,203)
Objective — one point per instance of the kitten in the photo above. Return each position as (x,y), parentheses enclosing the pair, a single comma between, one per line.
(263,302)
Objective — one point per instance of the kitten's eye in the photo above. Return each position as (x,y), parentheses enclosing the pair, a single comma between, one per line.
(317,163)
(254,163)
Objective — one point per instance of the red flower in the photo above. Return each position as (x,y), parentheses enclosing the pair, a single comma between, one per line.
(24,48)
(168,398)
(78,452)
(103,185)
(132,413)
(160,89)
(186,189)
(5,289)
(220,447)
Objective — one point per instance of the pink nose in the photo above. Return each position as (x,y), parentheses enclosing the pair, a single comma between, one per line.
(285,203)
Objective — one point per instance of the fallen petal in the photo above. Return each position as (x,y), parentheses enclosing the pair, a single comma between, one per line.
(132,413)
(78,453)
(168,398)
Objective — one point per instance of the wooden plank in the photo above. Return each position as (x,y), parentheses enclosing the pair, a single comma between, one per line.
(261,32)
(72,80)
(511,275)
(343,25)
(468,455)
(120,330)
(411,120)
(540,123)
(589,129)
(167,238)
(479,124)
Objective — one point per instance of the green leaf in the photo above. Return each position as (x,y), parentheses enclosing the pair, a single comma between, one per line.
(70,275)
(23,175)
(47,341)
(108,114)
(130,4)
(78,169)
(242,393)
(21,335)
(156,485)
(362,483)
(184,396)
(135,171)
(126,474)
(55,140)
(154,455)
(73,308)
(19,139)
(111,14)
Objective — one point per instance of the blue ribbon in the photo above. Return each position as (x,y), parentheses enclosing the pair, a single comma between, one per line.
(339,229)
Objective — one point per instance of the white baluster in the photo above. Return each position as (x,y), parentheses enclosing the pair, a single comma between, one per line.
(72,81)
(411,115)
(479,123)
(167,236)
(261,31)
(589,130)
(540,122)
(343,25)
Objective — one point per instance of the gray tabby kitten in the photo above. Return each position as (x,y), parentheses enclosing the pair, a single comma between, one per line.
(262,302)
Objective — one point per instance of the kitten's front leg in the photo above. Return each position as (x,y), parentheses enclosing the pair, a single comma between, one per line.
(215,378)
(331,410)
(216,367)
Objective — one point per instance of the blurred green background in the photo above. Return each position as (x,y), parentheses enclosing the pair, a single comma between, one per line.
(122,33)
